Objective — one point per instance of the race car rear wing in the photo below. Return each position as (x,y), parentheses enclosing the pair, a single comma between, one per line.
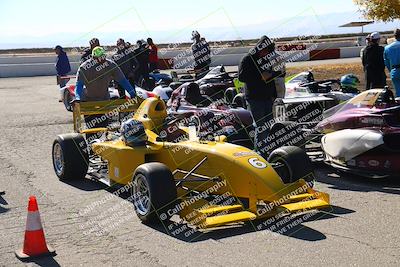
(106,108)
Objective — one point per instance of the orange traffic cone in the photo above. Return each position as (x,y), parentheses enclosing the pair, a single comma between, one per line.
(34,242)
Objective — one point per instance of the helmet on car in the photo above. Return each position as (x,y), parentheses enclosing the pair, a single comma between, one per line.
(349,81)
(133,133)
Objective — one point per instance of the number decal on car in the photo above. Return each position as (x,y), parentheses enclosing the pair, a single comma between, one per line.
(256,163)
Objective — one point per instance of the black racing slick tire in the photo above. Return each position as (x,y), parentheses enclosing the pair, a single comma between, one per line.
(67,100)
(292,163)
(153,191)
(70,156)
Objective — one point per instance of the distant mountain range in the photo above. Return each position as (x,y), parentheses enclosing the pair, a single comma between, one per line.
(288,27)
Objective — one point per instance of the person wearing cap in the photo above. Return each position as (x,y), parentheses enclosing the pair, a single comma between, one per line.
(95,74)
(126,61)
(258,71)
(201,54)
(63,68)
(93,79)
(373,63)
(392,61)
(142,55)
(153,55)
(367,41)
(87,53)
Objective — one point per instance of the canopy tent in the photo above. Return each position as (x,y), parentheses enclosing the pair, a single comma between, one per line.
(357,24)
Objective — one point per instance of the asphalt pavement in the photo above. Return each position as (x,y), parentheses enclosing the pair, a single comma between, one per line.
(88,227)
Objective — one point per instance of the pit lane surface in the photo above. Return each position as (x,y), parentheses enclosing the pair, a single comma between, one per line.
(88,227)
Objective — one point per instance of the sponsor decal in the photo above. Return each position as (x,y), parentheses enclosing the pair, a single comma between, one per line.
(373,163)
(351,162)
(387,164)
(361,164)
(244,154)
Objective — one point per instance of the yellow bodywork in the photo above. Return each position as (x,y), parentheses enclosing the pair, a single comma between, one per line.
(242,174)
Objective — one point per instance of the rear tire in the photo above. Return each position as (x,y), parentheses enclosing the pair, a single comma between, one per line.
(70,157)
(67,100)
(292,164)
(153,192)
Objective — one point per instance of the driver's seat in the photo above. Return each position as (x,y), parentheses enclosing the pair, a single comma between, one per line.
(194,97)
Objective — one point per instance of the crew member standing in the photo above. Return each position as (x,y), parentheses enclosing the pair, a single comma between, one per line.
(153,55)
(63,68)
(373,62)
(87,53)
(392,61)
(201,53)
(257,71)
(142,56)
(126,61)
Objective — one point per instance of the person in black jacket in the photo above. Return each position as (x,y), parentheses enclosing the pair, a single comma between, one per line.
(257,70)
(126,61)
(142,55)
(373,63)
(201,54)
(63,67)
(87,53)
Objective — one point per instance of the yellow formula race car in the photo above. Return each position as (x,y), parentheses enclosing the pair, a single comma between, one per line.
(170,172)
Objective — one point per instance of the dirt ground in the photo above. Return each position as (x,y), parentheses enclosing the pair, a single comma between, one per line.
(335,71)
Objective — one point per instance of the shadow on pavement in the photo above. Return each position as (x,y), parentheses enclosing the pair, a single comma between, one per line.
(86,184)
(290,226)
(46,261)
(346,181)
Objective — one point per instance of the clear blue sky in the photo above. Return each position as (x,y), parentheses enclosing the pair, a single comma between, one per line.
(38,19)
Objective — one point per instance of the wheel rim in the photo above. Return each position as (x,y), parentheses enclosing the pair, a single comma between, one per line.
(58,159)
(141,195)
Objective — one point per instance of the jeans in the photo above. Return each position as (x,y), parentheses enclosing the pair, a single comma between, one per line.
(261,110)
(395,76)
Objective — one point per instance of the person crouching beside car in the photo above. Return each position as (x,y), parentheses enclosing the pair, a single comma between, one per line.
(256,70)
(95,74)
(63,68)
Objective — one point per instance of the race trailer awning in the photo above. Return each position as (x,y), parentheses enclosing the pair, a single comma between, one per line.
(357,24)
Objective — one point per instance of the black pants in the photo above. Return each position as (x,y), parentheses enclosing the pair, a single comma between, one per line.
(374,79)
(261,110)
(153,66)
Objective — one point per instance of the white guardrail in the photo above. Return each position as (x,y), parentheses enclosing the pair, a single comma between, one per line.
(28,66)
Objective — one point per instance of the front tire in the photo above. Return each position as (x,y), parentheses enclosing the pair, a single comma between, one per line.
(153,191)
(70,156)
(292,163)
